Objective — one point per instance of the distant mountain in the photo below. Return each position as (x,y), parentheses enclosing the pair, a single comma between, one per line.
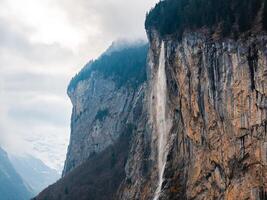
(12,186)
(34,172)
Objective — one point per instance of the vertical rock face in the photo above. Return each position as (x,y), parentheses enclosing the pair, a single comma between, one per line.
(103,104)
(100,111)
(108,130)
(217,97)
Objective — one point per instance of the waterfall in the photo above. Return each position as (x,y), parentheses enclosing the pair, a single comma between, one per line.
(161,122)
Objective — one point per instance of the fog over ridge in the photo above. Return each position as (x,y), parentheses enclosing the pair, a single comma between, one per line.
(43,44)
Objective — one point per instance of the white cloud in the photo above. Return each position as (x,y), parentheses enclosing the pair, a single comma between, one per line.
(43,43)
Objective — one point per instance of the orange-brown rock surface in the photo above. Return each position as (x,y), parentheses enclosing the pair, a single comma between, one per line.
(217,98)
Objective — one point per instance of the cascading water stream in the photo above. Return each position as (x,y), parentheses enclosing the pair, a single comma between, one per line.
(161,122)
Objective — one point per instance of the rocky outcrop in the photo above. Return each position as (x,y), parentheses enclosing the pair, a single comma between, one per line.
(216,111)
(108,126)
(102,104)
(100,111)
(217,99)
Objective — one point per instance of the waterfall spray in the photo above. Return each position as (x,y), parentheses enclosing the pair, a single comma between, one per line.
(161,121)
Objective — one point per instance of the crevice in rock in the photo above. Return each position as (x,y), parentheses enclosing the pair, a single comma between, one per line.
(252,63)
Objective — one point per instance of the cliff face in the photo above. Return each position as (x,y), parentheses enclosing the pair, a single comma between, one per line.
(108,126)
(100,111)
(208,117)
(104,102)
(216,103)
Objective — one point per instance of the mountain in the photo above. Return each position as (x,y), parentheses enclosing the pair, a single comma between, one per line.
(12,186)
(199,129)
(34,172)
(215,113)
(108,102)
(103,94)
(216,99)
(227,17)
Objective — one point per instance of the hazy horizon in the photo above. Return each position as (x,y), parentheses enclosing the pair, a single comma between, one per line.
(43,45)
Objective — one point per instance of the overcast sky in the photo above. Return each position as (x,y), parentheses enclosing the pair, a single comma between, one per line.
(43,43)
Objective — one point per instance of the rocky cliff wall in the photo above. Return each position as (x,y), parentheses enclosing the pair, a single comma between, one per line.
(100,175)
(100,111)
(104,95)
(108,128)
(209,140)
(217,101)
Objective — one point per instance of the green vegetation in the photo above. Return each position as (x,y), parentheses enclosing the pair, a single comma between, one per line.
(99,177)
(126,66)
(230,16)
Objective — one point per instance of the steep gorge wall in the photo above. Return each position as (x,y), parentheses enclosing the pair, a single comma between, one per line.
(104,96)
(100,112)
(217,96)
(108,128)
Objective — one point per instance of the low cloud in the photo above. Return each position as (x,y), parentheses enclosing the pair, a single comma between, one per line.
(34,107)
(42,45)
